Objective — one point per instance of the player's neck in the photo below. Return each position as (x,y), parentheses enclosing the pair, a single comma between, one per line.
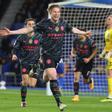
(54,21)
(109,26)
(31,34)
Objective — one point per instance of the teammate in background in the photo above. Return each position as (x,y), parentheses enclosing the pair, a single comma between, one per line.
(107,54)
(53,31)
(60,73)
(28,46)
(85,50)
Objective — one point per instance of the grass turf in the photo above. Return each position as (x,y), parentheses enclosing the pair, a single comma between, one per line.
(39,102)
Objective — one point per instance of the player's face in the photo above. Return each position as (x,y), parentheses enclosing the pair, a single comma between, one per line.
(30,23)
(108,21)
(55,14)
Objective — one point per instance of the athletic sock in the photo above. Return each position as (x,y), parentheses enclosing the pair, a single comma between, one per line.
(23,93)
(76,88)
(55,90)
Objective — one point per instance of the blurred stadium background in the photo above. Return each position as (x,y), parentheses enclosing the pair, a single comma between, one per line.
(12,15)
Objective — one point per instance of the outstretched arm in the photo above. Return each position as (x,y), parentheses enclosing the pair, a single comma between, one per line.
(6,31)
(77,31)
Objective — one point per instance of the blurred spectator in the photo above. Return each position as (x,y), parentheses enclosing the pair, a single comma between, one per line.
(3,6)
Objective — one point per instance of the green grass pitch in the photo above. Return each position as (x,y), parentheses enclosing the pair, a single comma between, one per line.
(39,102)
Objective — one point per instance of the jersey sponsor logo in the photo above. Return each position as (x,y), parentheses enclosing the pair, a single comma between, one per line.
(48,61)
(29,47)
(54,35)
(62,28)
(36,41)
(82,51)
(23,70)
(85,46)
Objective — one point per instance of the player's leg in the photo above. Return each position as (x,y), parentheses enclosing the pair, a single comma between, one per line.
(24,85)
(32,81)
(25,82)
(88,79)
(51,72)
(109,81)
(109,78)
(76,86)
(54,86)
(77,72)
(86,72)
(32,77)
(45,76)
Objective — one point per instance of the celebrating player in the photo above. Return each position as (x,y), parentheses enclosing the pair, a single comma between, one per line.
(85,50)
(53,31)
(28,46)
(107,54)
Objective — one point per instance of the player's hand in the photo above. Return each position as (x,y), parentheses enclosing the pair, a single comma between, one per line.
(108,55)
(8,31)
(88,34)
(14,57)
(4,32)
(86,60)
(101,56)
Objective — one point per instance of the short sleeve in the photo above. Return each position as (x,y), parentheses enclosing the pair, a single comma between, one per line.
(68,27)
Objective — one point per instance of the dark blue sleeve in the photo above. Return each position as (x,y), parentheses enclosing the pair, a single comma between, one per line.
(16,46)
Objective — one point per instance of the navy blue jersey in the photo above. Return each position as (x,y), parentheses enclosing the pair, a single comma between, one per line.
(28,48)
(53,36)
(83,48)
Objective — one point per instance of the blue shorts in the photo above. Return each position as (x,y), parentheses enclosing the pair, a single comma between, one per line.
(60,68)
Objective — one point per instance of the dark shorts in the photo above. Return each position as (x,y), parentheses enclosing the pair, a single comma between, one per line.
(82,67)
(25,68)
(27,65)
(49,62)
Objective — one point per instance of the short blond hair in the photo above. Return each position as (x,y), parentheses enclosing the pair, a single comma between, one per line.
(53,6)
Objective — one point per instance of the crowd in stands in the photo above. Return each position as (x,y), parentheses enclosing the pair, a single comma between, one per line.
(3,7)
(31,9)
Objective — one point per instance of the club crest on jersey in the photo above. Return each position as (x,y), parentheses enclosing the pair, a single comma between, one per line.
(30,41)
(85,46)
(24,70)
(48,61)
(36,41)
(56,28)
(62,28)
(81,46)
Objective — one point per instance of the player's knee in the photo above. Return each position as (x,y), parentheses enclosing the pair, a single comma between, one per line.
(32,85)
(76,76)
(76,79)
(25,83)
